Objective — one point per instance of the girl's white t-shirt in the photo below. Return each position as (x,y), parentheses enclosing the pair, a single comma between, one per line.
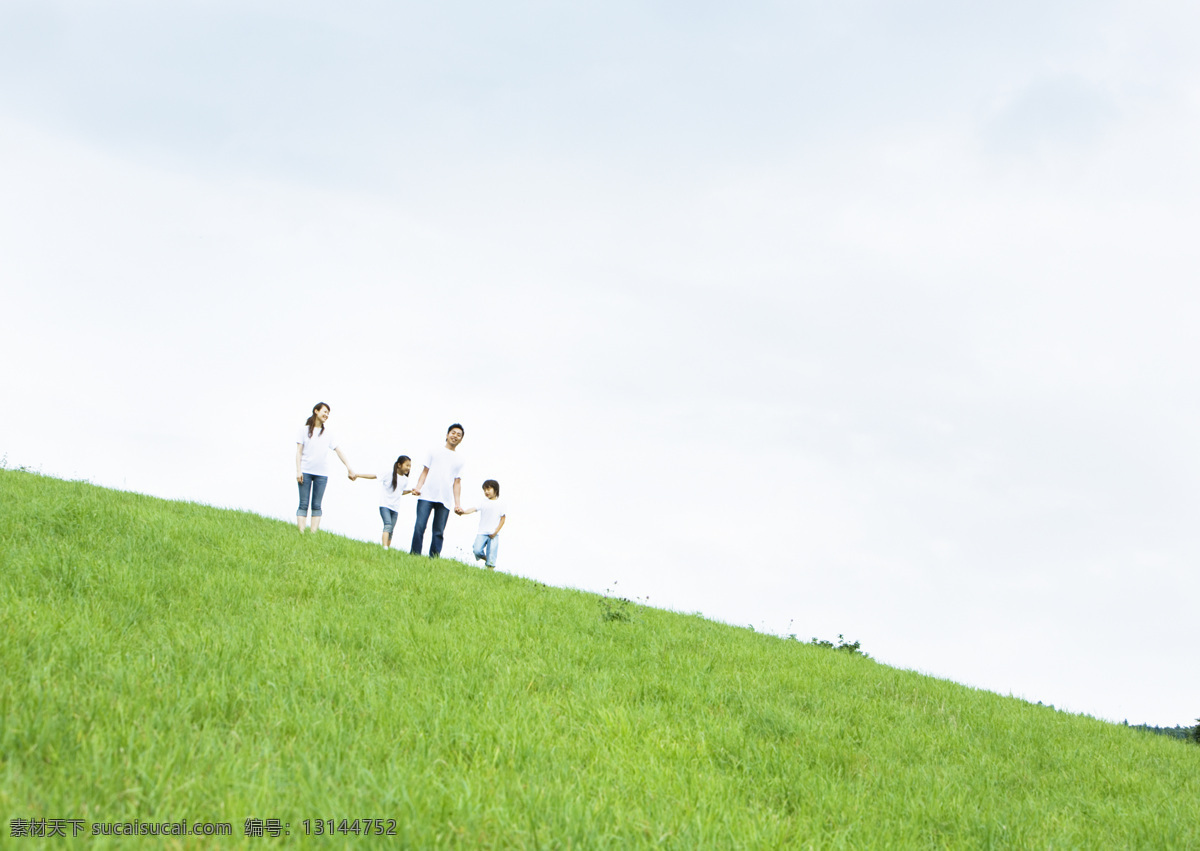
(389,498)
(490,512)
(314,457)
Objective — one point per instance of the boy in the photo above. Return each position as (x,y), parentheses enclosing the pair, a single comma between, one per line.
(491,521)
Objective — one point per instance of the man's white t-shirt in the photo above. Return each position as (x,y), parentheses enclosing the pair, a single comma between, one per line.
(445,465)
(314,457)
(389,498)
(490,512)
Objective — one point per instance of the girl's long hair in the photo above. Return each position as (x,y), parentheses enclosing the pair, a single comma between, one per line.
(396,469)
(312,421)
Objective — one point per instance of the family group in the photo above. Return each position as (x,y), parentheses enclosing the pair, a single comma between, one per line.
(438,489)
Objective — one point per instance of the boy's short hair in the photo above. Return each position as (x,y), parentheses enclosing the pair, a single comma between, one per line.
(458,426)
(493,484)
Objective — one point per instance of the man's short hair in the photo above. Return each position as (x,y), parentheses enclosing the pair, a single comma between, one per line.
(493,484)
(457,426)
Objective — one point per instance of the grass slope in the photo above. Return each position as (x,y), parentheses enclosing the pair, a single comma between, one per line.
(165,660)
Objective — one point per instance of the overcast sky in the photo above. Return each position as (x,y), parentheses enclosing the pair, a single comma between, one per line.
(864,318)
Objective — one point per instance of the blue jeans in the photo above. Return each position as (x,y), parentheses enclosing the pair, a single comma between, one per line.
(440,515)
(317,485)
(485,548)
(389,519)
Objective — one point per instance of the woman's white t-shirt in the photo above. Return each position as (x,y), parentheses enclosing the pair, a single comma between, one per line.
(389,498)
(314,457)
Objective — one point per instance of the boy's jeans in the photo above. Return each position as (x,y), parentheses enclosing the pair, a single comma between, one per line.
(485,548)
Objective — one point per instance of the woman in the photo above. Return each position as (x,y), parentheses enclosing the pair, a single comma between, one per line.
(312,464)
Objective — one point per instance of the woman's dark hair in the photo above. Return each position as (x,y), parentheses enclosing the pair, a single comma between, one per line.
(312,421)
(396,469)
(493,484)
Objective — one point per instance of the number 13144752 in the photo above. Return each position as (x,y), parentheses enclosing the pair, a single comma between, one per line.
(358,827)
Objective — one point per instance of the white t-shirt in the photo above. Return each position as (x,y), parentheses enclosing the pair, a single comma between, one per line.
(314,458)
(490,512)
(445,465)
(389,498)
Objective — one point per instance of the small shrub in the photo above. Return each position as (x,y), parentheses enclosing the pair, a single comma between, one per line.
(614,608)
(853,648)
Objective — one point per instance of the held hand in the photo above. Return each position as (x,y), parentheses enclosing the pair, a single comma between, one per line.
(458,511)
(415,492)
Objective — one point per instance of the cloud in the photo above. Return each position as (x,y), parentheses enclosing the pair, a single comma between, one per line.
(1057,117)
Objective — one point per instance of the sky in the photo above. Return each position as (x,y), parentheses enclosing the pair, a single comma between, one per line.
(861,319)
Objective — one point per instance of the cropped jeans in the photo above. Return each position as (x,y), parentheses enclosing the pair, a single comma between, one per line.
(485,548)
(440,515)
(317,485)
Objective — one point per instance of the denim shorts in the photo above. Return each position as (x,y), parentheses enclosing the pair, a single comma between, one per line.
(389,519)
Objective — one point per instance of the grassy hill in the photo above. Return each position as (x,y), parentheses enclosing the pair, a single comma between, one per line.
(166,661)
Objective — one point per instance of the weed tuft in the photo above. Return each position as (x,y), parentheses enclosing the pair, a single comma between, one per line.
(854,648)
(614,608)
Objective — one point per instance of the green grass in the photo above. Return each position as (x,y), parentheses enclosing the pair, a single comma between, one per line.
(163,661)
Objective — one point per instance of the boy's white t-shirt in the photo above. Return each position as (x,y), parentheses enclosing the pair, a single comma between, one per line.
(445,465)
(490,512)
(314,457)
(389,498)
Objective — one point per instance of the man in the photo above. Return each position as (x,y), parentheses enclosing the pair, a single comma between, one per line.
(439,487)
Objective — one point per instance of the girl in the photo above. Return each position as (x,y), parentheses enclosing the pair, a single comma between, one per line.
(393,482)
(312,464)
